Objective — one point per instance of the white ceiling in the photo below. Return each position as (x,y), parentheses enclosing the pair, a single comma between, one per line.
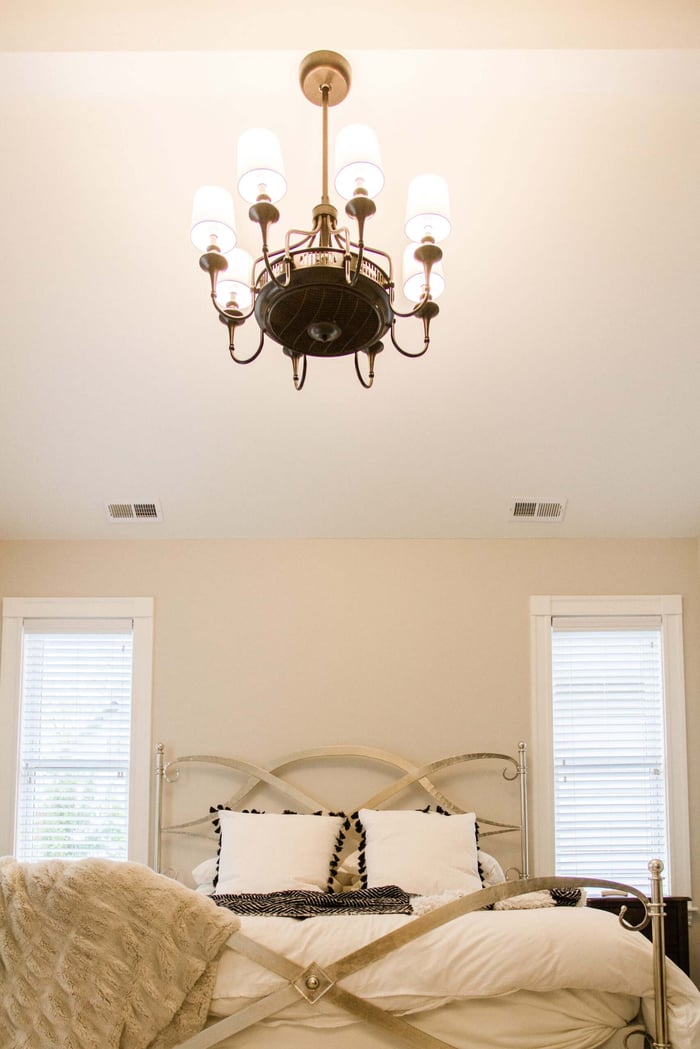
(565,361)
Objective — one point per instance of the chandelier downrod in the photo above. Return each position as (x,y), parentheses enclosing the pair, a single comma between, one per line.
(325,91)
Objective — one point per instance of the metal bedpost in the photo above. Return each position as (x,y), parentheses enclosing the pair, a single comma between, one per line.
(657,912)
(158,804)
(524,831)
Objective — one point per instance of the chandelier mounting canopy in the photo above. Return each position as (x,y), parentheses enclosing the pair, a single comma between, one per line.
(325,69)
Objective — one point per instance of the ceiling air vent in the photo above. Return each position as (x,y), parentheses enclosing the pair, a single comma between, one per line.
(146,510)
(537,510)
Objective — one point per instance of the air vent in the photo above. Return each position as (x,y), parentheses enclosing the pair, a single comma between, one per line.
(146,510)
(537,510)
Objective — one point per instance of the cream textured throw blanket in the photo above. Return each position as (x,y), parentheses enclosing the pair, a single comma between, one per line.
(96,954)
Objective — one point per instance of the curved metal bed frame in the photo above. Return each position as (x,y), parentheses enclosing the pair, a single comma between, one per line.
(312,982)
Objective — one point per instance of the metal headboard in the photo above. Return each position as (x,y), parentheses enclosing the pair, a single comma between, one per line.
(271,775)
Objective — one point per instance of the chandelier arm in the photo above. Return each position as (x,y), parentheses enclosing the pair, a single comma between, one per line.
(366,383)
(416,311)
(382,254)
(358,266)
(405,353)
(299,380)
(307,237)
(231,348)
(268,268)
(342,243)
(342,239)
(369,381)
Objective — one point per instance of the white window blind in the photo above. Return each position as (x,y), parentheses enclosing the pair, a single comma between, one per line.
(74,739)
(610,798)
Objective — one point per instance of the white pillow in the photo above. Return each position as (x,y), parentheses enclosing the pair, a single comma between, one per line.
(205,872)
(491,869)
(422,852)
(270,851)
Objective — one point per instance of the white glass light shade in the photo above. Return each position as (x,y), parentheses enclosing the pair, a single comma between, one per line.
(260,167)
(234,282)
(213,221)
(357,161)
(414,277)
(428,208)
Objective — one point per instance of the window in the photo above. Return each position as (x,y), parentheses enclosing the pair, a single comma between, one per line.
(75,690)
(610,767)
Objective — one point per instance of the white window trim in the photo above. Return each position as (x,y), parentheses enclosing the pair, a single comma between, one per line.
(541,775)
(14,611)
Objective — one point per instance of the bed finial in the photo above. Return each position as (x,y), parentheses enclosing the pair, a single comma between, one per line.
(158,804)
(524,825)
(657,911)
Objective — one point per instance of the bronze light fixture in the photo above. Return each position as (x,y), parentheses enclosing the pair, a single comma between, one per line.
(324,294)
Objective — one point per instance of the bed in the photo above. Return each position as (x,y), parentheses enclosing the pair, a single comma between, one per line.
(389,921)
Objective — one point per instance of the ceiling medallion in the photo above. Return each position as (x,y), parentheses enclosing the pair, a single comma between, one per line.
(324,294)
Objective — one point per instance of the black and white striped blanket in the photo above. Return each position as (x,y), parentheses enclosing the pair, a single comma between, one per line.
(299,903)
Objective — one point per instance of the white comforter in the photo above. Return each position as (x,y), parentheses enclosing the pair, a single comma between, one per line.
(482,954)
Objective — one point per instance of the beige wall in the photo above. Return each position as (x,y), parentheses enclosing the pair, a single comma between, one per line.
(422,646)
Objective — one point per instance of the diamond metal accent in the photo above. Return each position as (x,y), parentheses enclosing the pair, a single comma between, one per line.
(313,983)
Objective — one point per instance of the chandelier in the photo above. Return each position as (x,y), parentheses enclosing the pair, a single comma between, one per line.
(325,294)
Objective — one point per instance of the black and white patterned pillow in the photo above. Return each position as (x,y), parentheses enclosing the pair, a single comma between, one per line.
(272,852)
(417,850)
